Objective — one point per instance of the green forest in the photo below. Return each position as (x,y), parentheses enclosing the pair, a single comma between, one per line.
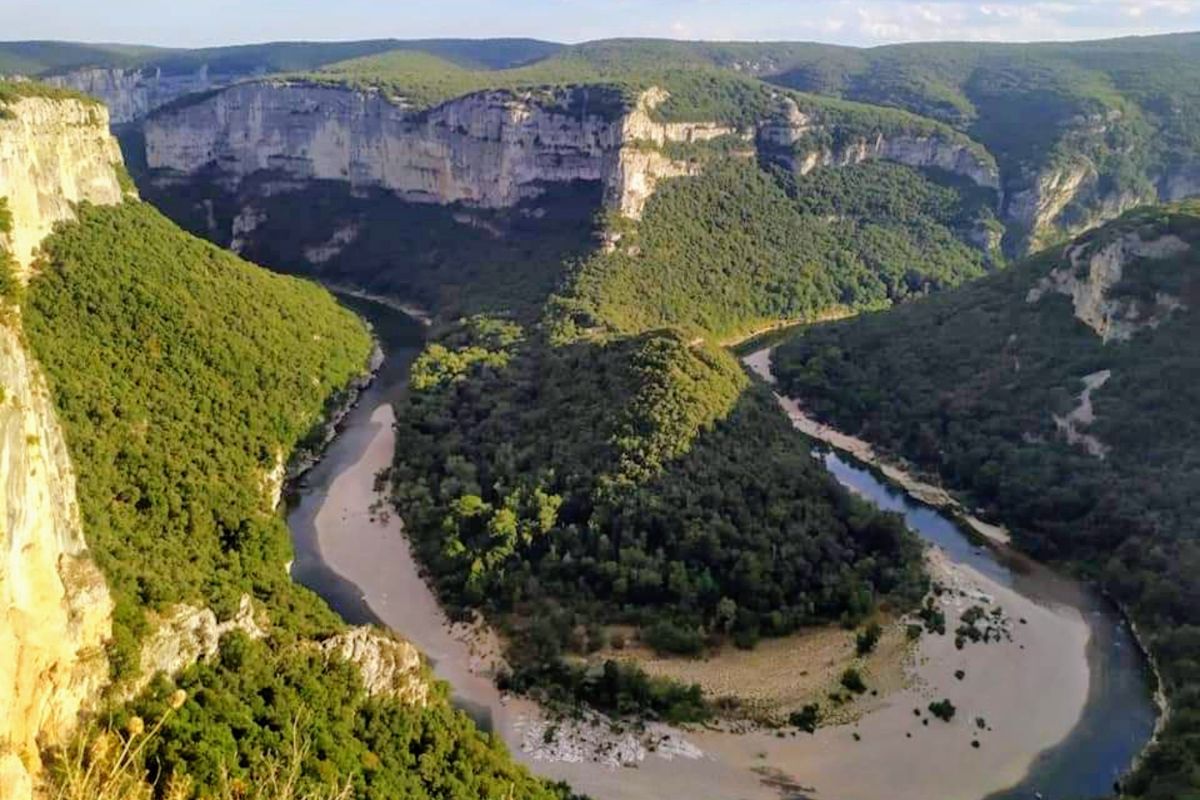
(742,246)
(181,375)
(966,385)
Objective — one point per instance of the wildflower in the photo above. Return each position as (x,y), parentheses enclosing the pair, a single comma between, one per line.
(177,699)
(135,726)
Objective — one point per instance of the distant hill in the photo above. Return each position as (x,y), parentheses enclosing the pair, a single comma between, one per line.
(44,58)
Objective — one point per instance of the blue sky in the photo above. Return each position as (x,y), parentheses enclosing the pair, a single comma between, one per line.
(864,22)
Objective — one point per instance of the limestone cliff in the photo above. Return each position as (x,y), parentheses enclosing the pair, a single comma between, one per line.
(55,610)
(390,667)
(489,149)
(53,154)
(1065,200)
(803,141)
(186,635)
(1096,269)
(131,94)
(492,149)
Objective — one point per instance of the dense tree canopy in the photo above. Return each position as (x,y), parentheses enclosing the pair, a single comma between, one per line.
(740,246)
(183,376)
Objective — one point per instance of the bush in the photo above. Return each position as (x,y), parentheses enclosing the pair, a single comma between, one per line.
(867,639)
(943,710)
(672,639)
(806,719)
(853,680)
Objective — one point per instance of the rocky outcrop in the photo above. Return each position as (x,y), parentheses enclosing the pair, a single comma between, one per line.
(1068,199)
(54,154)
(802,142)
(131,94)
(1072,424)
(55,610)
(1096,268)
(186,635)
(489,149)
(1038,207)
(389,667)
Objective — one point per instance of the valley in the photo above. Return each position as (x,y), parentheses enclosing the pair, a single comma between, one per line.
(558,537)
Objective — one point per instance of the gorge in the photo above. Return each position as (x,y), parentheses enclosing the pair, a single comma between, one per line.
(563,493)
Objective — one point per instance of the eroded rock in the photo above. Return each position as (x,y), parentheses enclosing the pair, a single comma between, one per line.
(389,666)
(1096,269)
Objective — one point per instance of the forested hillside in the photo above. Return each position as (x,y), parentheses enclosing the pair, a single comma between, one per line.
(184,377)
(1059,396)
(741,247)
(43,58)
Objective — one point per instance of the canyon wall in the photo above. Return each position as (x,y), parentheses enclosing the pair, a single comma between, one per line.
(489,149)
(131,94)
(53,154)
(803,141)
(55,610)
(1094,276)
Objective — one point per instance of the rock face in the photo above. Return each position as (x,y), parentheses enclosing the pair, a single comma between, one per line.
(1095,269)
(1072,425)
(53,154)
(795,139)
(131,94)
(389,667)
(55,610)
(187,635)
(1067,200)
(490,149)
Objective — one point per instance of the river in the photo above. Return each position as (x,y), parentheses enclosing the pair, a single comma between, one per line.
(1068,699)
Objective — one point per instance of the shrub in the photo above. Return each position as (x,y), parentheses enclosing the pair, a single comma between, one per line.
(806,719)
(943,710)
(868,639)
(853,680)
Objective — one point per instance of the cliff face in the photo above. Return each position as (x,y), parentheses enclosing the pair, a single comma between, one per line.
(53,154)
(795,139)
(1094,273)
(131,94)
(55,611)
(489,150)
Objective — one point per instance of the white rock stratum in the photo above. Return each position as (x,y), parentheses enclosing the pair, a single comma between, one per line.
(490,149)
(1095,269)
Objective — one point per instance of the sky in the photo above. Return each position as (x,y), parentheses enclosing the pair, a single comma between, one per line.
(193,23)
